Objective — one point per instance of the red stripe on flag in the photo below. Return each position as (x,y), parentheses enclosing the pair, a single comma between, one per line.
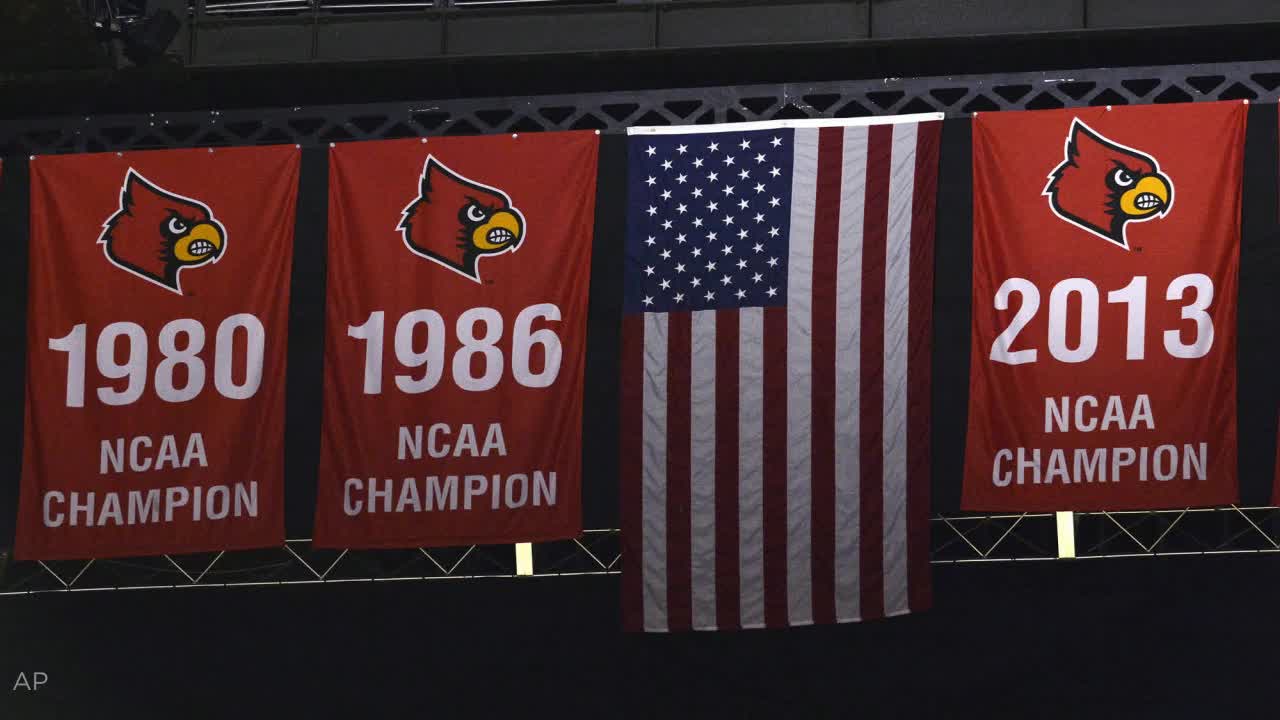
(679,543)
(920,347)
(871,399)
(826,235)
(630,469)
(775,467)
(728,584)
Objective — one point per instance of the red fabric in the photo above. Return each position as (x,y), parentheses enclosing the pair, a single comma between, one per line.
(920,365)
(401,240)
(871,367)
(179,463)
(1049,197)
(826,259)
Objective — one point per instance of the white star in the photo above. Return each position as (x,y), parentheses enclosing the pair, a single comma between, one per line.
(697,251)
(744,174)
(728,219)
(713,206)
(776,142)
(713,147)
(666,164)
(651,181)
(679,267)
(711,266)
(727,249)
(666,194)
(742,204)
(682,179)
(682,149)
(682,208)
(774,202)
(724,280)
(697,162)
(758,247)
(760,157)
(666,254)
(742,264)
(697,192)
(679,297)
(773,262)
(744,144)
(696,282)
(772,292)
(775,172)
(728,190)
(666,224)
(648,270)
(728,159)
(680,239)
(759,218)
(756,278)
(759,188)
(710,295)
(697,222)
(741,294)
(773,232)
(665,284)
(651,151)
(649,241)
(742,234)
(652,211)
(711,236)
(648,299)
(712,177)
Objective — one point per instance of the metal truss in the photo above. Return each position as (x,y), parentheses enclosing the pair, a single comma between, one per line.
(1036,536)
(597,552)
(956,539)
(955,96)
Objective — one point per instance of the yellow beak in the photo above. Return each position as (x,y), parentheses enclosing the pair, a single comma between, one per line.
(502,231)
(204,242)
(1149,196)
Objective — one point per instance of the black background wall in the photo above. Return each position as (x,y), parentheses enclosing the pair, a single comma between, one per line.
(1141,638)
(1134,638)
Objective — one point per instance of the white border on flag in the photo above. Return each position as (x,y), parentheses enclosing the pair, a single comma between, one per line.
(772,124)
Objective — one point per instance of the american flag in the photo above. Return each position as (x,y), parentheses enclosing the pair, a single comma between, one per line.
(775,373)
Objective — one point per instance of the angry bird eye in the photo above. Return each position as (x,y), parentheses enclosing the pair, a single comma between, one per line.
(177,226)
(1122,177)
(475,213)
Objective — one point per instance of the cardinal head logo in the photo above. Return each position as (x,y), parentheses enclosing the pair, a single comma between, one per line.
(156,234)
(1102,186)
(456,221)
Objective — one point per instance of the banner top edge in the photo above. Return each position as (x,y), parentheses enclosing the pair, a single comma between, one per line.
(771,124)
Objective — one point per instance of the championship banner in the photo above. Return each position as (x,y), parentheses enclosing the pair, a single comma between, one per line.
(455,340)
(157,321)
(1105,264)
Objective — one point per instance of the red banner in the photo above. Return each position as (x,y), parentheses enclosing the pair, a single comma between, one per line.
(454,349)
(157,319)
(1106,256)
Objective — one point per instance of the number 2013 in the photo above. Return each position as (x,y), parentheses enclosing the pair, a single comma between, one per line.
(1134,295)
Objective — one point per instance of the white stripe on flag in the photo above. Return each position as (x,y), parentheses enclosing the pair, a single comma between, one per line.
(702,471)
(853,181)
(897,286)
(654,498)
(804,186)
(751,466)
